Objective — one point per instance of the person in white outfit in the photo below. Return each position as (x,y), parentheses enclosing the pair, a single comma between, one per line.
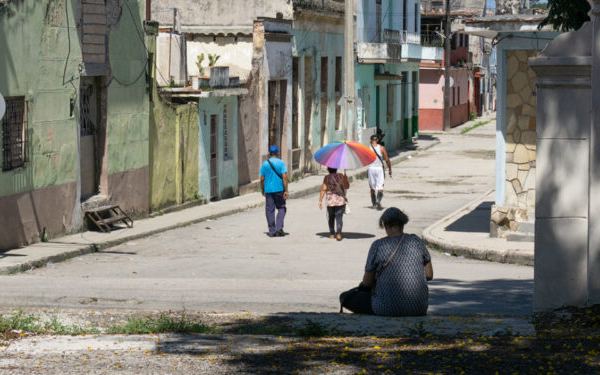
(377,172)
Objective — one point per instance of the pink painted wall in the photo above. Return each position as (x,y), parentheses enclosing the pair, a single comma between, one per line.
(431,89)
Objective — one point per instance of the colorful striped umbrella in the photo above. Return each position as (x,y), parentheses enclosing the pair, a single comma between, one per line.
(345,155)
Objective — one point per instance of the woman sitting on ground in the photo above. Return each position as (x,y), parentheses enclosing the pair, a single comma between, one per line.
(398,268)
(334,186)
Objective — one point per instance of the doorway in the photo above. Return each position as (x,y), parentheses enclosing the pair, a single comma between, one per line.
(89,123)
(214,179)
(277,97)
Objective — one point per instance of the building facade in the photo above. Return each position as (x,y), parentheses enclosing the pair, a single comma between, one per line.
(75,134)
(387,70)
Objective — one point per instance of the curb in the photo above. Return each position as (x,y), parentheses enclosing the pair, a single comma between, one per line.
(439,244)
(254,203)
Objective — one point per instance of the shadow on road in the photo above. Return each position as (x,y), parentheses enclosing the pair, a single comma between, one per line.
(498,296)
(348,235)
(477,220)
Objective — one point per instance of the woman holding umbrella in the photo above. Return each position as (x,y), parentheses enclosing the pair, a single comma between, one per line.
(334,187)
(340,155)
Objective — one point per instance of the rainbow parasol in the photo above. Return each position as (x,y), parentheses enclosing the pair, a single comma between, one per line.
(345,155)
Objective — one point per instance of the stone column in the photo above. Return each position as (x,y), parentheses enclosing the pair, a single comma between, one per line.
(594,207)
(564,107)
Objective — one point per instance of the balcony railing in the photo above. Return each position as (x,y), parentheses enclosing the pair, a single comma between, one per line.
(391,36)
(432,39)
(409,37)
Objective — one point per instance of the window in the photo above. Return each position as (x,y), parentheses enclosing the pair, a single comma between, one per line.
(404,26)
(338,75)
(225,135)
(458,95)
(14,134)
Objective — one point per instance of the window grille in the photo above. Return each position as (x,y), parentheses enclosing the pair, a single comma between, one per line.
(87,117)
(225,135)
(14,134)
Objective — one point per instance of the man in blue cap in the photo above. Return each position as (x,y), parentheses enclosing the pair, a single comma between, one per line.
(274,186)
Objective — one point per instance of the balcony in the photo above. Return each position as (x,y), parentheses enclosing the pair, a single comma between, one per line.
(379,53)
(432,54)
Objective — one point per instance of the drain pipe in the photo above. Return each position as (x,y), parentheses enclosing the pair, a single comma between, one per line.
(148,10)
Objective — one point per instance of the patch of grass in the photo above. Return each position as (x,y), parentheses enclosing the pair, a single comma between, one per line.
(480,123)
(137,325)
(314,329)
(20,322)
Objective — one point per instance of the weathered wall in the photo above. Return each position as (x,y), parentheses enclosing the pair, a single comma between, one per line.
(40,57)
(177,62)
(317,37)
(227,171)
(128,111)
(173,154)
(250,108)
(234,52)
(222,13)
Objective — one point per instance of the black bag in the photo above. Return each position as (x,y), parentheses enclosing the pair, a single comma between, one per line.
(350,293)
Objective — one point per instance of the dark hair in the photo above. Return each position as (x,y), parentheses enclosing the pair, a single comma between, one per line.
(374,137)
(332,170)
(393,217)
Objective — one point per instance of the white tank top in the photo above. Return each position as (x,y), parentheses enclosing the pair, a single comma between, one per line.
(377,162)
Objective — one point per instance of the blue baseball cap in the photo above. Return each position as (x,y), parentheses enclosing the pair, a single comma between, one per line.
(273,150)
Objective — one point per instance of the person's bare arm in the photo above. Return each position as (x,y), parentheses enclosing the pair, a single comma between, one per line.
(428,271)
(386,158)
(323,191)
(262,185)
(285,186)
(369,279)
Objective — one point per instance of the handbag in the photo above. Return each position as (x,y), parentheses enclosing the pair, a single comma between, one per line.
(347,210)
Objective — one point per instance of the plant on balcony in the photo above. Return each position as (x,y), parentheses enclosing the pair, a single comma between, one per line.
(212,59)
(199,65)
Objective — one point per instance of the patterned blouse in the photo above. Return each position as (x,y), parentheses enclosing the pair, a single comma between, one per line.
(401,289)
(336,195)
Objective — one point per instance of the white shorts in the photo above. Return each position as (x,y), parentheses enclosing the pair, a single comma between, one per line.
(376,178)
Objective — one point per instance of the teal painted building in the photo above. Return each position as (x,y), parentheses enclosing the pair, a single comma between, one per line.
(387,70)
(73,74)
(218,143)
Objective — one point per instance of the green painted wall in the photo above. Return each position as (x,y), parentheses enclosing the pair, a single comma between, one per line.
(128,106)
(226,164)
(34,45)
(39,60)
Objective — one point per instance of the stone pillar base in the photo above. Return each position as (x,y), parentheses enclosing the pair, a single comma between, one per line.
(507,219)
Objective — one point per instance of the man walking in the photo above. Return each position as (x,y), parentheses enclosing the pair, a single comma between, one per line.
(376,172)
(274,186)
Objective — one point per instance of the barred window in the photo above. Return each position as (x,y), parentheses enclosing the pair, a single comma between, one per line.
(225,135)
(14,134)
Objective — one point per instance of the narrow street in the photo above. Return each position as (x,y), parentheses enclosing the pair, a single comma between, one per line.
(230,265)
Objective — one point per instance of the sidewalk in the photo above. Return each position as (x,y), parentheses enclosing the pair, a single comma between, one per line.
(60,249)
(466,232)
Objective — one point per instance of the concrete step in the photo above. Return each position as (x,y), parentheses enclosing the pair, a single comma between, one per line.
(520,237)
(527,227)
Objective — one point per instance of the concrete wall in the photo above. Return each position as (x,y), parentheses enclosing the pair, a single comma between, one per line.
(34,40)
(177,68)
(567,242)
(235,52)
(173,154)
(226,164)
(220,13)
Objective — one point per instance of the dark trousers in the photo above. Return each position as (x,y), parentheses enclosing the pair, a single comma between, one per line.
(335,214)
(275,200)
(357,300)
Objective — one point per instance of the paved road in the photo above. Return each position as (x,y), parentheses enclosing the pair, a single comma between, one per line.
(230,264)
